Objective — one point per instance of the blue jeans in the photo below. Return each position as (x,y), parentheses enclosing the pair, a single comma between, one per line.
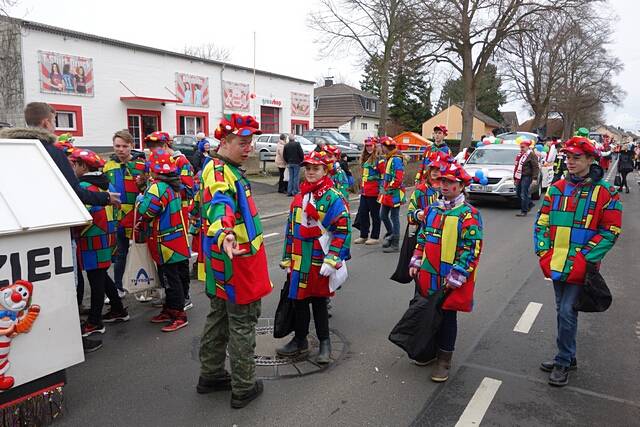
(566,295)
(122,244)
(392,225)
(293,187)
(522,190)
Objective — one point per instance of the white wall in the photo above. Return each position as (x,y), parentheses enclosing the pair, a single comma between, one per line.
(357,134)
(146,74)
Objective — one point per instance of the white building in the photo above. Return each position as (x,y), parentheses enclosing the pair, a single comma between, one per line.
(99,85)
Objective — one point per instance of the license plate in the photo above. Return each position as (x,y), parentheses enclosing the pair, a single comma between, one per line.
(481,188)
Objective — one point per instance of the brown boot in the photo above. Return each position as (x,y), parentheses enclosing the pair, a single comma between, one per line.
(440,371)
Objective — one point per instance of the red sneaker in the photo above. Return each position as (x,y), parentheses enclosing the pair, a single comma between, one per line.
(164,317)
(90,329)
(178,322)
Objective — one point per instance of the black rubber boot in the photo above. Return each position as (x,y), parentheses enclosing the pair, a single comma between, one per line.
(386,242)
(394,245)
(295,347)
(324,354)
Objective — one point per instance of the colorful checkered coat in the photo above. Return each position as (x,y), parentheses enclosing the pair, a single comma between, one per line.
(97,240)
(449,240)
(185,170)
(161,207)
(578,223)
(340,180)
(422,173)
(123,178)
(372,173)
(228,207)
(392,193)
(302,249)
(420,200)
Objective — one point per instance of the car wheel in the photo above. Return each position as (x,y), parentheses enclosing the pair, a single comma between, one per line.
(537,194)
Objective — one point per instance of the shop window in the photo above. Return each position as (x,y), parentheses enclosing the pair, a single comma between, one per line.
(191,122)
(270,119)
(363,126)
(299,126)
(68,119)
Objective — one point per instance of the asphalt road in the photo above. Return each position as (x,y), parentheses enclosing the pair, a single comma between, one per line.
(146,378)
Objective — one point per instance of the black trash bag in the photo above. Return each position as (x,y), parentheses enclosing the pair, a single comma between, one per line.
(401,275)
(617,181)
(595,296)
(283,323)
(416,332)
(356,221)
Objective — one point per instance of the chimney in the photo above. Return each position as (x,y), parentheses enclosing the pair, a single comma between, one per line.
(328,81)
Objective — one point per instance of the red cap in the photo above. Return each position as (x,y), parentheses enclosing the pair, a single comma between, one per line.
(237,125)
(65,146)
(315,158)
(439,160)
(387,141)
(454,172)
(161,162)
(372,140)
(442,128)
(87,156)
(581,145)
(526,142)
(157,136)
(332,149)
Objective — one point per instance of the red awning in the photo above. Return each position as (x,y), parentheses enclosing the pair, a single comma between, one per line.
(148,99)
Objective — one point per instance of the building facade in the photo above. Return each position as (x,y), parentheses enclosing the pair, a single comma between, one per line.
(100,85)
(452,118)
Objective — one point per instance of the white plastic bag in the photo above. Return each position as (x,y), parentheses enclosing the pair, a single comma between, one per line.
(285,176)
(140,272)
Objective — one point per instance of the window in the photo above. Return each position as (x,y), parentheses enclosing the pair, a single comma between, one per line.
(316,101)
(370,105)
(68,119)
(299,126)
(263,139)
(363,126)
(274,139)
(141,123)
(376,126)
(191,122)
(270,119)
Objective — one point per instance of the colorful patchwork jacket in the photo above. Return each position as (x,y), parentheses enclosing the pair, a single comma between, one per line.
(185,170)
(422,197)
(578,223)
(421,175)
(318,212)
(123,178)
(161,208)
(392,193)
(96,241)
(228,207)
(372,173)
(340,180)
(448,249)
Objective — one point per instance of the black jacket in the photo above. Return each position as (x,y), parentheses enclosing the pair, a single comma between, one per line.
(293,153)
(101,181)
(60,159)
(625,161)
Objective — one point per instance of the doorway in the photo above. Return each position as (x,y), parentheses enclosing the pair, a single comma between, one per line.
(141,123)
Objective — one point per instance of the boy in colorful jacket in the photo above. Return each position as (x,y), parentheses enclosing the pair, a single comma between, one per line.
(369,209)
(579,222)
(447,255)
(438,146)
(427,191)
(317,213)
(392,195)
(237,276)
(161,208)
(95,243)
(336,173)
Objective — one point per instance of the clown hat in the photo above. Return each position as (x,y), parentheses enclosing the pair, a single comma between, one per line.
(161,162)
(65,143)
(442,128)
(454,172)
(387,141)
(439,160)
(332,149)
(237,124)
(580,145)
(315,158)
(87,156)
(372,140)
(157,137)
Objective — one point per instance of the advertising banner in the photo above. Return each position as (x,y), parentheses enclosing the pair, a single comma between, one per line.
(65,74)
(300,104)
(236,96)
(192,90)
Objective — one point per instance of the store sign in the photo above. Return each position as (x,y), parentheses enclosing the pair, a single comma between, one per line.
(236,96)
(65,74)
(192,91)
(271,102)
(300,104)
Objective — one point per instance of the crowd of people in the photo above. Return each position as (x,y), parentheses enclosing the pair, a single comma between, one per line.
(157,197)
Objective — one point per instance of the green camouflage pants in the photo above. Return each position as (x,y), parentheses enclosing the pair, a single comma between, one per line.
(232,325)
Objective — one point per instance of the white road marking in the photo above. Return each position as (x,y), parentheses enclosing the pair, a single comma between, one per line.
(479,403)
(612,169)
(528,317)
(270,235)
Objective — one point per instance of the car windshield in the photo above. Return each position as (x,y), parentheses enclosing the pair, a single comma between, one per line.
(493,157)
(304,141)
(338,137)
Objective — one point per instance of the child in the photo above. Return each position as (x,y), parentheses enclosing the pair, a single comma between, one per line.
(337,175)
(317,213)
(427,191)
(161,207)
(369,208)
(95,244)
(447,255)
(392,195)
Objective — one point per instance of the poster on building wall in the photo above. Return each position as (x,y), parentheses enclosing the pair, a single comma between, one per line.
(300,104)
(236,96)
(192,90)
(65,74)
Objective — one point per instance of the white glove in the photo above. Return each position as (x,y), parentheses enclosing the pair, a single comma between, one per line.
(326,270)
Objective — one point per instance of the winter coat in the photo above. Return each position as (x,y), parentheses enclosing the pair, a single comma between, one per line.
(530,166)
(303,251)
(185,170)
(292,153)
(161,208)
(578,222)
(229,208)
(340,180)
(392,193)
(60,159)
(449,242)
(625,161)
(423,170)
(422,197)
(280,162)
(95,242)
(122,177)
(372,173)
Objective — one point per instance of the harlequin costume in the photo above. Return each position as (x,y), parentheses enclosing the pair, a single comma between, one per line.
(392,195)
(578,223)
(318,213)
(337,174)
(370,185)
(424,194)
(429,153)
(447,253)
(161,208)
(95,244)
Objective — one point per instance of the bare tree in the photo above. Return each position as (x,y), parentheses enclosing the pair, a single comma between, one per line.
(11,82)
(372,27)
(467,33)
(209,51)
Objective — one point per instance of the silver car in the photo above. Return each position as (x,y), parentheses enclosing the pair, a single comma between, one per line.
(267,142)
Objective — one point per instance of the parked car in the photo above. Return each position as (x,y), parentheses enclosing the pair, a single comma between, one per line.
(547,171)
(5,125)
(498,163)
(352,154)
(337,136)
(188,145)
(267,142)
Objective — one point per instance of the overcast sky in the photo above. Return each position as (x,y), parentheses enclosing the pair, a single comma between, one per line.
(285,44)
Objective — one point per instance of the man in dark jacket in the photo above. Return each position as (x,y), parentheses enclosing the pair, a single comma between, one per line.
(294,156)
(526,169)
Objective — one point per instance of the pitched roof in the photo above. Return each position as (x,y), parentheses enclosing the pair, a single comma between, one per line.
(555,126)
(510,118)
(342,105)
(341,89)
(330,122)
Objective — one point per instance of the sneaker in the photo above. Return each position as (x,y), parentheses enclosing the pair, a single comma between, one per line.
(115,316)
(143,297)
(177,323)
(547,366)
(372,241)
(90,329)
(559,376)
(163,317)
(89,346)
(107,301)
(188,305)
(242,400)
(359,241)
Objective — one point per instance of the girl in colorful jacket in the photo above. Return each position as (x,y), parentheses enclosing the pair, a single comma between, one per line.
(438,146)
(160,206)
(369,208)
(446,256)
(336,173)
(317,241)
(392,195)
(427,191)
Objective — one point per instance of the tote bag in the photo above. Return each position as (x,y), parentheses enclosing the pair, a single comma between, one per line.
(140,271)
(401,275)
(284,320)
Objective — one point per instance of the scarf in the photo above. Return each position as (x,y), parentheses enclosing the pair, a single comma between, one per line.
(520,161)
(447,205)
(312,191)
